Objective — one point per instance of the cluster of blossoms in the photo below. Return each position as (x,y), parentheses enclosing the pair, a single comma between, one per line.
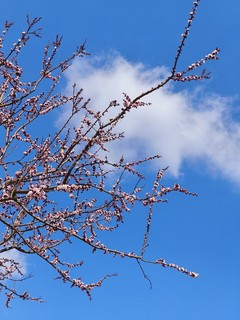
(54,188)
(182,76)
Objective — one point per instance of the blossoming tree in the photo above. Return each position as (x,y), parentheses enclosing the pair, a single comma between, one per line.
(54,188)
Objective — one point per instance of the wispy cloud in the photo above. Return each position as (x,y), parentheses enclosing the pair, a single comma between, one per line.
(180,126)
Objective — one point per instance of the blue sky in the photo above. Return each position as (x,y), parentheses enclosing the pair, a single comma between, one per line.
(194,127)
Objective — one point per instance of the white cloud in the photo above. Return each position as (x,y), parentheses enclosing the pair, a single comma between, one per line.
(180,126)
(18,257)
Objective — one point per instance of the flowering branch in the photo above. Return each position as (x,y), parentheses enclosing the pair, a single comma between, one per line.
(54,187)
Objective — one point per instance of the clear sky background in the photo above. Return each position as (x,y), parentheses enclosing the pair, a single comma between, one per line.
(196,128)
